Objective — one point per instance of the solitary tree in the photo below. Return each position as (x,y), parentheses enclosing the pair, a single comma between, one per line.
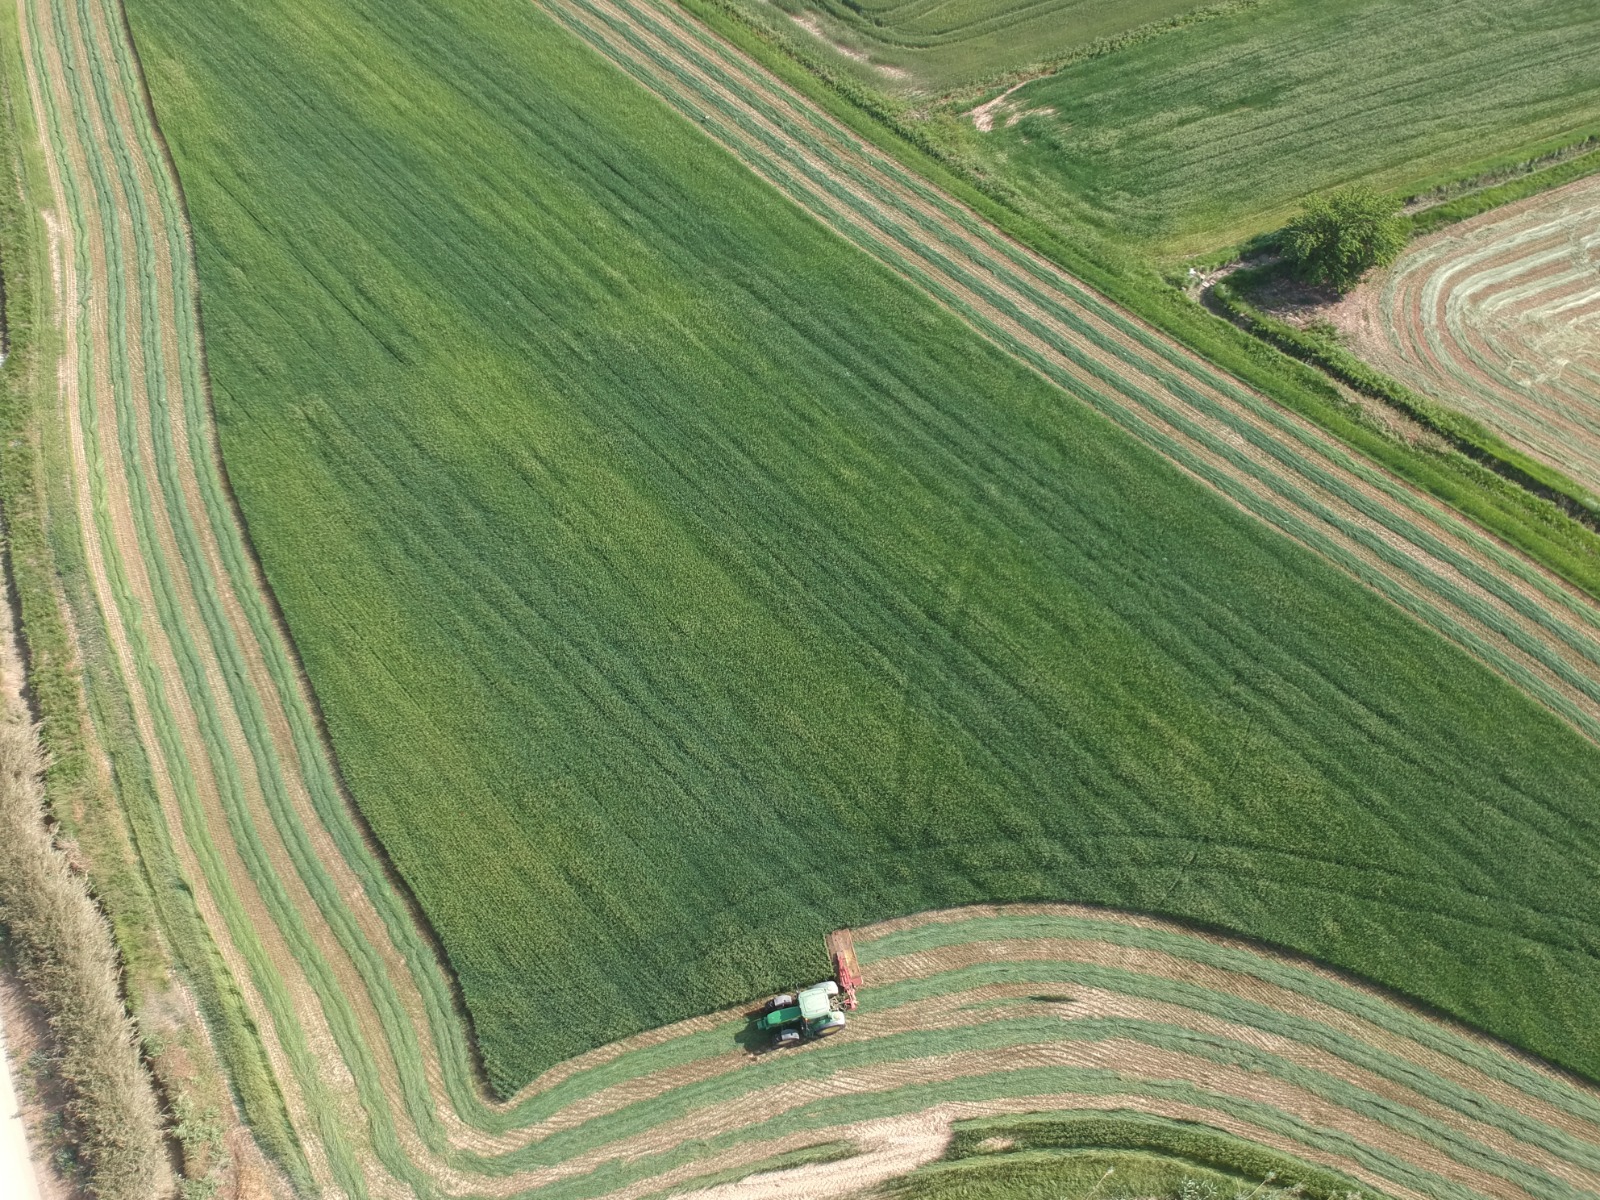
(1338,238)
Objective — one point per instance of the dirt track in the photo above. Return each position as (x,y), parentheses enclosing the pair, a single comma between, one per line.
(354,1014)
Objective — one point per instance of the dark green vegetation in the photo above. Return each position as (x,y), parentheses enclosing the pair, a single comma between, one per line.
(1198,139)
(679,585)
(1338,238)
(1152,1156)
(941,44)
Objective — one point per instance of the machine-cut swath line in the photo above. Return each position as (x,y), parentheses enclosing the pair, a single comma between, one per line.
(354,1013)
(1500,317)
(1502,608)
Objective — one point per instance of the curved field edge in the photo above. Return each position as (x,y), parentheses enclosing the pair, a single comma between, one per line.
(403,1094)
(1495,318)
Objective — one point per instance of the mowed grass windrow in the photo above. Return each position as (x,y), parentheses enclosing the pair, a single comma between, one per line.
(679,584)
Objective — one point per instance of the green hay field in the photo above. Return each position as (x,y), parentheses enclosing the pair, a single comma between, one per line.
(1198,138)
(678,584)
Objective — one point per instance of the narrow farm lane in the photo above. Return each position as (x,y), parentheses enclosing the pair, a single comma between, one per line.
(16,1166)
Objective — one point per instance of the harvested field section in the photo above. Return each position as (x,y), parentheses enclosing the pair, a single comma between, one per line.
(1500,317)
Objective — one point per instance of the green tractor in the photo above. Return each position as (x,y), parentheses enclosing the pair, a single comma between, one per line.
(792,1019)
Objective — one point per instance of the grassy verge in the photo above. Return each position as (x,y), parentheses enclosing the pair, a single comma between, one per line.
(1536,526)
(66,959)
(1482,200)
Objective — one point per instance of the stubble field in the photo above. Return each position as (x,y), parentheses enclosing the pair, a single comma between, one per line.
(1500,318)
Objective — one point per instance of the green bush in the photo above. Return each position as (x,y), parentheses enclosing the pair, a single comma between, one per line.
(1338,238)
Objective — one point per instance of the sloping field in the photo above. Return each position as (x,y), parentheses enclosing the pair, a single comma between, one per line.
(693,585)
(358,1022)
(1198,139)
(1500,318)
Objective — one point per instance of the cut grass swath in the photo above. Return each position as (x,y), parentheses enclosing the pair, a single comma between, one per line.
(1498,317)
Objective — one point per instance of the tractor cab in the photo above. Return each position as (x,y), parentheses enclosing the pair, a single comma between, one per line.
(817,1002)
(812,1014)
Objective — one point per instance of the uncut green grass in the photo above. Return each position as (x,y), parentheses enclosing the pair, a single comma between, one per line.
(1218,130)
(678,585)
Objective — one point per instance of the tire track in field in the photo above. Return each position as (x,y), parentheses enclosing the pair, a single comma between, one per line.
(354,1014)
(1500,317)
(1499,606)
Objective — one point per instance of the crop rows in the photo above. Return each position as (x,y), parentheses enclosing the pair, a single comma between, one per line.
(1495,604)
(1292,97)
(355,1016)
(817,582)
(1501,318)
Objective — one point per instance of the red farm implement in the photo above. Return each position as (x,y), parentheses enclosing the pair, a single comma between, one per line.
(842,949)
